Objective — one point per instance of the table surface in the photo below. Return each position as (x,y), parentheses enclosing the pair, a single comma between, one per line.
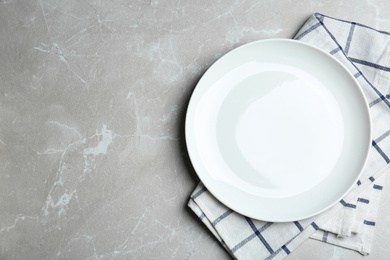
(92,102)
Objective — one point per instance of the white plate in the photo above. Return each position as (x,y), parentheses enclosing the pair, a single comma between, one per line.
(278,130)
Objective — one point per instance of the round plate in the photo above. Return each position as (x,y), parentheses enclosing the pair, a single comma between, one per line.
(278,130)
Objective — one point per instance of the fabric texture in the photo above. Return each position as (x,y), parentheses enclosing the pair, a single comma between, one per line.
(351,222)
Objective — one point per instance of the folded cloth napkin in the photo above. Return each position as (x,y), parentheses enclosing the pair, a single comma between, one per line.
(353,226)
(351,222)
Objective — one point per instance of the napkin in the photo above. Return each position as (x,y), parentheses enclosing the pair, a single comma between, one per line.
(352,221)
(353,227)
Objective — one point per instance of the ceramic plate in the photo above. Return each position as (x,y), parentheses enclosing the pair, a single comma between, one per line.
(278,130)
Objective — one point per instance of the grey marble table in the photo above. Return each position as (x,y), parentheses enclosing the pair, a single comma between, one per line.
(93,162)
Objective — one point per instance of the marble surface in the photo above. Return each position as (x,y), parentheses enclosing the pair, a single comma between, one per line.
(93,163)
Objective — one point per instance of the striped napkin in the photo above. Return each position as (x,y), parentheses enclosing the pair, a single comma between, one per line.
(351,222)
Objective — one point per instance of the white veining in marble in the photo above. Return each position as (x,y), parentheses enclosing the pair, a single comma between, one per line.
(92,102)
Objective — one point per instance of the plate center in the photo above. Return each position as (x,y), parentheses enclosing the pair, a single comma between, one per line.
(285,135)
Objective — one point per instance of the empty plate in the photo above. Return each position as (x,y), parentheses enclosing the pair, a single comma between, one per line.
(278,130)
